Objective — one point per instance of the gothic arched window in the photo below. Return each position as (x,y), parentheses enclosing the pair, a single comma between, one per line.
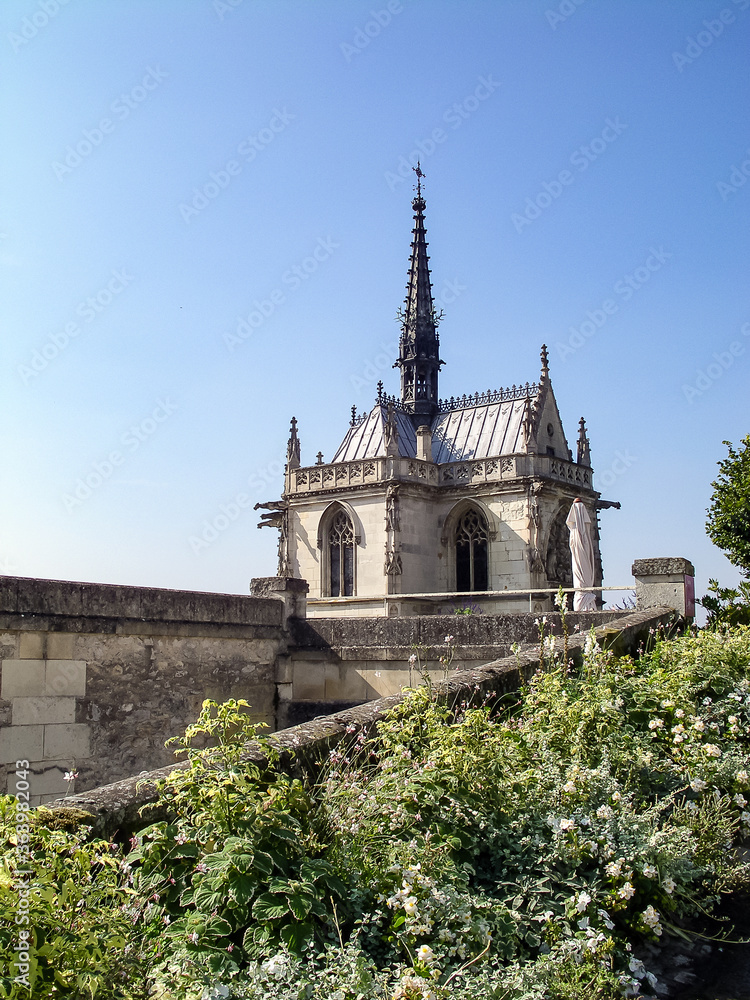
(471,552)
(340,544)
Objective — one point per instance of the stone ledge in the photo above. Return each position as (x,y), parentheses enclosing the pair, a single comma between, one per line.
(23,596)
(131,804)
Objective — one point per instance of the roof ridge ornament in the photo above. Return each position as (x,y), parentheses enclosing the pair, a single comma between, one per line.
(293,447)
(545,362)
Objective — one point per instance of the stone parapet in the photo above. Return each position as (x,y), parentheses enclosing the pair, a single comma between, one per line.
(289,590)
(665,581)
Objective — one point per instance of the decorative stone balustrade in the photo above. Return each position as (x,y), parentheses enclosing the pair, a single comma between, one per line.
(347,474)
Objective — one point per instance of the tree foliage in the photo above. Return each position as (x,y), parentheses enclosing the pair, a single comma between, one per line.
(728,523)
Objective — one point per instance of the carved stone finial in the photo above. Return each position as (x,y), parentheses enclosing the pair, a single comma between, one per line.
(380,391)
(292,447)
(584,448)
(390,432)
(354,416)
(319,458)
(545,361)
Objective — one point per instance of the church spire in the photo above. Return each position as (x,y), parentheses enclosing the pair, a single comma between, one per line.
(419,346)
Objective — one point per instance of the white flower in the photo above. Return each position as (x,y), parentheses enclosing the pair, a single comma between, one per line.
(70,775)
(700,725)
(678,728)
(583,901)
(616,797)
(425,954)
(626,891)
(712,750)
(742,777)
(679,714)
(732,720)
(637,967)
(410,906)
(448,639)
(413,659)
(698,785)
(604,812)
(649,871)
(567,824)
(668,885)
(569,786)
(276,965)
(656,724)
(614,868)
(740,800)
(651,919)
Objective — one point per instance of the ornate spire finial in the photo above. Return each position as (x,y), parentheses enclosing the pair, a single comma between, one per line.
(292,448)
(545,362)
(354,415)
(584,449)
(380,391)
(419,346)
(420,174)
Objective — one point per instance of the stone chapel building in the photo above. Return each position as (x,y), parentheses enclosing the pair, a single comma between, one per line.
(431,503)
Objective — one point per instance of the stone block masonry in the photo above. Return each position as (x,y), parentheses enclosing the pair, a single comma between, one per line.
(94,679)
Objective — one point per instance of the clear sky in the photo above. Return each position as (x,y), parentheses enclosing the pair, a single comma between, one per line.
(204,230)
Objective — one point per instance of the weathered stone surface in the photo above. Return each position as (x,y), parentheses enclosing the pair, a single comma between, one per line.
(663,567)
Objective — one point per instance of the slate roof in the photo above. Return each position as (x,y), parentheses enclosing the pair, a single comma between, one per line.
(487,430)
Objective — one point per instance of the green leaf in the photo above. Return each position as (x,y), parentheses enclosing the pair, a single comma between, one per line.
(296,936)
(270,907)
(300,905)
(263,862)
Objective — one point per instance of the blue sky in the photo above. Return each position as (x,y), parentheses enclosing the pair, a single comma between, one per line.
(173,169)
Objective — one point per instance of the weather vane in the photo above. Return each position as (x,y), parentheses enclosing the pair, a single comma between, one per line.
(420,174)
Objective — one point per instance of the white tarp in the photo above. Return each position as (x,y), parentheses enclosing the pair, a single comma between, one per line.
(582,553)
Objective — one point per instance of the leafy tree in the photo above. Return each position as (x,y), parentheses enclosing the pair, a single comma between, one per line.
(728,523)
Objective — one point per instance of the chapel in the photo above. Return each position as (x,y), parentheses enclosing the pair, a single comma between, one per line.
(433,505)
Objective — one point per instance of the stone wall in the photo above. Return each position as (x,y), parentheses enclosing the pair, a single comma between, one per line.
(95,678)
(335,663)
